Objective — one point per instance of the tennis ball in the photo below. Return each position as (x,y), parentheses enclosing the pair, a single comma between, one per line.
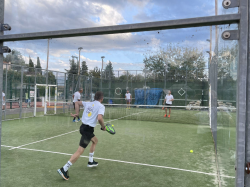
(191,151)
(112,125)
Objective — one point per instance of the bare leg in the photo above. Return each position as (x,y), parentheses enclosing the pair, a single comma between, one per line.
(169,111)
(76,155)
(93,145)
(166,111)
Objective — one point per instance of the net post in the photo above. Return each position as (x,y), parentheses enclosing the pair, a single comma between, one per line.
(55,100)
(35,98)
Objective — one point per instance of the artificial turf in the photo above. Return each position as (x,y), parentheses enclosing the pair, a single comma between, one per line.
(163,143)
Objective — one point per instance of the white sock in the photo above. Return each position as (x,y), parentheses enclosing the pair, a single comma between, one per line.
(67,166)
(91,155)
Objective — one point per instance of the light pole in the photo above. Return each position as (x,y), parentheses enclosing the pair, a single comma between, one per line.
(80,48)
(101,70)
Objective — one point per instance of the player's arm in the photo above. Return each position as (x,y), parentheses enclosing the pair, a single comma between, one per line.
(131,97)
(73,96)
(77,106)
(101,122)
(164,102)
(172,99)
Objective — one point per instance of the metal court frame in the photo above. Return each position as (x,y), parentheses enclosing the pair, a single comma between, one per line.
(243,84)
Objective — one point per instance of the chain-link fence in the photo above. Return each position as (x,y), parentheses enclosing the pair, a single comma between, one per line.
(188,86)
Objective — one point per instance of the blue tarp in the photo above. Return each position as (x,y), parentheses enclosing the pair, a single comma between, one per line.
(147,96)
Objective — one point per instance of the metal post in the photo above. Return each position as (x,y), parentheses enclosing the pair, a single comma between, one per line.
(45,100)
(48,56)
(109,80)
(243,138)
(49,95)
(101,81)
(55,100)
(6,84)
(91,88)
(165,76)
(35,98)
(186,88)
(64,95)
(73,78)
(35,75)
(127,79)
(1,69)
(79,62)
(21,94)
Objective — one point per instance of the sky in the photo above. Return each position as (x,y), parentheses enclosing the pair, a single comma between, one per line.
(125,51)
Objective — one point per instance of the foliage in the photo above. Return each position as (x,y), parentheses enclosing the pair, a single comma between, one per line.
(178,62)
(31,66)
(96,72)
(84,68)
(16,58)
(109,71)
(38,66)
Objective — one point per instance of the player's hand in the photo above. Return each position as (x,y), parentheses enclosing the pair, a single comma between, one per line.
(74,115)
(103,129)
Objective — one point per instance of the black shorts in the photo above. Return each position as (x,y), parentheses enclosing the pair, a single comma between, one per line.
(87,133)
(167,105)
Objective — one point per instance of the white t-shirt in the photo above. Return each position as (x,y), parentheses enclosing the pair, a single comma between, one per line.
(168,98)
(77,96)
(127,95)
(3,95)
(91,111)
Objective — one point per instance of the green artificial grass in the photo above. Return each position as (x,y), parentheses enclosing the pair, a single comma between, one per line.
(138,139)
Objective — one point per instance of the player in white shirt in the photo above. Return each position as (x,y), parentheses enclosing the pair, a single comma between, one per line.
(76,98)
(128,98)
(93,112)
(3,101)
(168,101)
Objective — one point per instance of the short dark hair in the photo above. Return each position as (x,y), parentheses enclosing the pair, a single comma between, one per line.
(98,95)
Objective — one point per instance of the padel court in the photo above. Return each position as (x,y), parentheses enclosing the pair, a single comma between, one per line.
(147,150)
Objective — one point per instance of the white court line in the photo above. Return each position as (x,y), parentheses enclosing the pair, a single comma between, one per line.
(134,163)
(68,133)
(43,139)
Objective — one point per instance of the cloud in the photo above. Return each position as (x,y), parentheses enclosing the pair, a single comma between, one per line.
(126,51)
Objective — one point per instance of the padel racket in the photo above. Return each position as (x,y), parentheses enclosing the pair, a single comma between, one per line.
(110,129)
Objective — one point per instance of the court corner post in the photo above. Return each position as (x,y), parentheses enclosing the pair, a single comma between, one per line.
(243,104)
(1,72)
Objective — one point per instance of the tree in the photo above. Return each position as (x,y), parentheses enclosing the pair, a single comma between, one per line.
(109,71)
(178,62)
(84,68)
(73,67)
(95,72)
(31,65)
(16,59)
(38,66)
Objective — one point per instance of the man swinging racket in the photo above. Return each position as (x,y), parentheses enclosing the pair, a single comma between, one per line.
(93,112)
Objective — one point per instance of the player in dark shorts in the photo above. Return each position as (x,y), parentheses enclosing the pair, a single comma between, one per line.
(93,112)
(168,102)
